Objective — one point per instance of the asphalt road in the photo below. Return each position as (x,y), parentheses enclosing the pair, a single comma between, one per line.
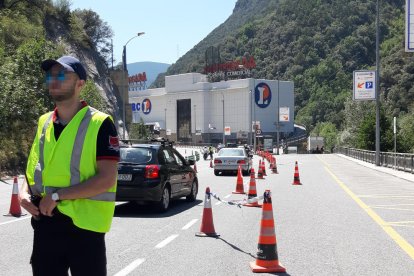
(345,219)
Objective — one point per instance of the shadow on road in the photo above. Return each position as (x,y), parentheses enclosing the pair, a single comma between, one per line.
(133,209)
(250,254)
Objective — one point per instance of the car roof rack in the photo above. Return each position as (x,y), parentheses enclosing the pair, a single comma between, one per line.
(164,142)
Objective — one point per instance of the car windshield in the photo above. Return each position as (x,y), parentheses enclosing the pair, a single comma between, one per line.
(231,152)
(135,155)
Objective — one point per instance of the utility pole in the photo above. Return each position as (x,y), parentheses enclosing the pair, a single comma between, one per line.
(377,91)
(224,133)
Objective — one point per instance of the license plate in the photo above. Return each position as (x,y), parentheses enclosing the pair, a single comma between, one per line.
(125,177)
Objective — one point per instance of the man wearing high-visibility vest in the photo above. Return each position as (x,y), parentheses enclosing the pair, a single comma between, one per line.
(72,169)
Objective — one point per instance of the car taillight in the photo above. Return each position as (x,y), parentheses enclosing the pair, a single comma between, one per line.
(152,171)
(217,161)
(241,162)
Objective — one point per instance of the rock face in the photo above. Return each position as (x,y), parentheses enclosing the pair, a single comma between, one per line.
(96,68)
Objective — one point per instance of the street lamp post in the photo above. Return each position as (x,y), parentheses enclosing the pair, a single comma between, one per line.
(277,120)
(165,121)
(377,91)
(195,123)
(224,133)
(125,77)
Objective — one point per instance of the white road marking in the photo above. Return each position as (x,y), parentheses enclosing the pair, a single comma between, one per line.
(15,220)
(188,225)
(166,241)
(227,196)
(130,267)
(218,203)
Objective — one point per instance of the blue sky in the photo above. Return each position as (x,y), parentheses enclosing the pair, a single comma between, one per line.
(172,27)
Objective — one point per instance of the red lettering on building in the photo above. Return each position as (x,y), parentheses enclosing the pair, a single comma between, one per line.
(231,65)
(141,77)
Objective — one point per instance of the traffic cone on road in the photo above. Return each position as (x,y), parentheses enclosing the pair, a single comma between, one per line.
(239,183)
(15,209)
(211,163)
(267,258)
(195,166)
(260,171)
(274,166)
(252,192)
(264,168)
(207,225)
(296,180)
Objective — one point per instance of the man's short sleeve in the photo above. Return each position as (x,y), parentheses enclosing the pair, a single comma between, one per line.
(107,146)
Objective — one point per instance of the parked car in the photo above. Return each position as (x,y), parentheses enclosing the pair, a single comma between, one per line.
(156,173)
(229,159)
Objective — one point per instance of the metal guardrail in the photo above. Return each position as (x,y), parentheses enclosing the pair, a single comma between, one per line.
(399,161)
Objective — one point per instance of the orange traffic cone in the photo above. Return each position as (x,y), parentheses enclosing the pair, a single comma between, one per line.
(267,258)
(260,171)
(211,163)
(195,166)
(252,191)
(207,225)
(274,166)
(239,183)
(15,209)
(264,168)
(296,180)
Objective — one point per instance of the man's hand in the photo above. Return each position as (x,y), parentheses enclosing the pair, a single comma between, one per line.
(24,199)
(47,204)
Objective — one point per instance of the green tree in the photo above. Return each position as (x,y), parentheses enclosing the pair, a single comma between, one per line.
(405,133)
(23,99)
(139,131)
(91,95)
(329,132)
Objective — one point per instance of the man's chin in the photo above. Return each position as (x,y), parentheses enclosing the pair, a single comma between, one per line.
(60,98)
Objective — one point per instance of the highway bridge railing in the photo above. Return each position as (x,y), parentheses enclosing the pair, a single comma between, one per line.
(398,161)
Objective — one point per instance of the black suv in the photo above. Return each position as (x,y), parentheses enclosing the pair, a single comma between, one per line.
(155,172)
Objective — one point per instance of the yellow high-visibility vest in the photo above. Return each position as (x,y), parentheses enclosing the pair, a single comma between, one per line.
(69,161)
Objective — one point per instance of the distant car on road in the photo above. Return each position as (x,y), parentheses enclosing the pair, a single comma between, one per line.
(155,173)
(229,160)
(220,146)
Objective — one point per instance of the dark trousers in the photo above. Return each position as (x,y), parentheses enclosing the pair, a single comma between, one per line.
(59,245)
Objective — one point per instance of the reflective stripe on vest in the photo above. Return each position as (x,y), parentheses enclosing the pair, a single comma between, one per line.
(74,162)
(38,177)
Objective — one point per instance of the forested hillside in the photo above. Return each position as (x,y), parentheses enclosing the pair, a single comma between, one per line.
(318,44)
(31,31)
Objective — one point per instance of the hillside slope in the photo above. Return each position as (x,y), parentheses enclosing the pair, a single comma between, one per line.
(318,44)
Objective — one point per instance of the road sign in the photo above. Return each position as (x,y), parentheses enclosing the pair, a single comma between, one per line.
(284,114)
(364,85)
(258,131)
(227,131)
(255,125)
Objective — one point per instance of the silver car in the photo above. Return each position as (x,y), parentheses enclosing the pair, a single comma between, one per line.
(229,159)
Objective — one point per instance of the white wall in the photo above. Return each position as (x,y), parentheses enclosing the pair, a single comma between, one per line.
(238,97)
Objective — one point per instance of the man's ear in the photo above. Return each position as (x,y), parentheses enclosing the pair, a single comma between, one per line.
(80,84)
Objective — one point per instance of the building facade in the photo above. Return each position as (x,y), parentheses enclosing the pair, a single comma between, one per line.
(191,109)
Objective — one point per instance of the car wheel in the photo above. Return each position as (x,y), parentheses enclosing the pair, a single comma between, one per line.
(164,203)
(216,172)
(193,194)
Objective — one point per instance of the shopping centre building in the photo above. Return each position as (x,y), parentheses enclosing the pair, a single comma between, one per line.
(191,109)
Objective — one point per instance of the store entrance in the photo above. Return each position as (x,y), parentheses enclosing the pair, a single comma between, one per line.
(184,120)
